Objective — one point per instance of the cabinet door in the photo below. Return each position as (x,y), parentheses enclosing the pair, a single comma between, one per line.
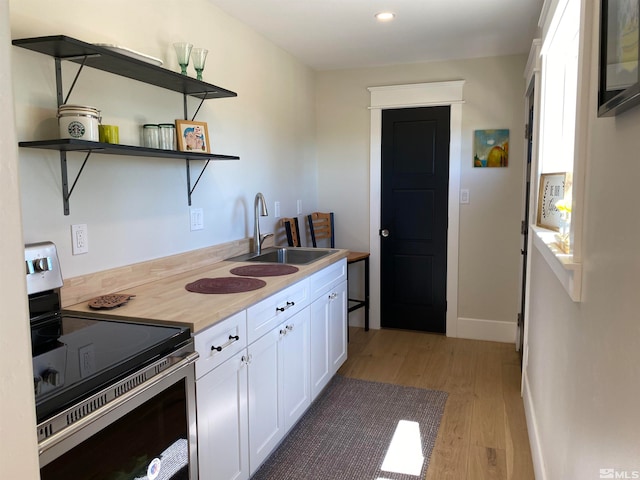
(221,398)
(266,428)
(296,391)
(338,305)
(319,330)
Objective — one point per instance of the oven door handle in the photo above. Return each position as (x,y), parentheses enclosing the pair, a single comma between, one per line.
(180,363)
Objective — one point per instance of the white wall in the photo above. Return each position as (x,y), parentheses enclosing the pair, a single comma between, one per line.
(583,375)
(18,453)
(490,225)
(136,208)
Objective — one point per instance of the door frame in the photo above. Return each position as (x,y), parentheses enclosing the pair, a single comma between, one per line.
(411,96)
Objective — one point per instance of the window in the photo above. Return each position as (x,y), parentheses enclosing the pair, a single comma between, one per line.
(561,141)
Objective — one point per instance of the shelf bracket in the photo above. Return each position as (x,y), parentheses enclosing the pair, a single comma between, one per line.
(186,109)
(66,191)
(197,110)
(61,99)
(190,189)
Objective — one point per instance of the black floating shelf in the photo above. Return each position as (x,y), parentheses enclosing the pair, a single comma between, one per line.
(73,145)
(101,58)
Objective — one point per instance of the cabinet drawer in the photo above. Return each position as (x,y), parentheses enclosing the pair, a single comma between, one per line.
(270,312)
(220,342)
(327,278)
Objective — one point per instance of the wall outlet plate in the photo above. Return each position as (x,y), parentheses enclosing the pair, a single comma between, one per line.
(79,239)
(197,219)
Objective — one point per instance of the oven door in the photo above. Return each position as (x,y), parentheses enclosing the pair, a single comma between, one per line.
(148,433)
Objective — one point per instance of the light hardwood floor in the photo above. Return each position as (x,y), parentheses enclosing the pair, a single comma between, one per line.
(483,433)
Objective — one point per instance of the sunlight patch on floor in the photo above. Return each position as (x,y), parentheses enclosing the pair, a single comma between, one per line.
(405,450)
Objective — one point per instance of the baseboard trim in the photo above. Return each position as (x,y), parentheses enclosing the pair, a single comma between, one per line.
(491,330)
(532,427)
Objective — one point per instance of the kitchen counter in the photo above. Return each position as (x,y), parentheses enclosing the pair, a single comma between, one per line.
(167,301)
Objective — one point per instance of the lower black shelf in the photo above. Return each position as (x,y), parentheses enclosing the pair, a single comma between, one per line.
(64,145)
(73,145)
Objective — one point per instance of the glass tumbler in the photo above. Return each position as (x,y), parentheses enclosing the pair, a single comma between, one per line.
(167,136)
(150,135)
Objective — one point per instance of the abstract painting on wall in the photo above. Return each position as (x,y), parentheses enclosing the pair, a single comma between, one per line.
(491,148)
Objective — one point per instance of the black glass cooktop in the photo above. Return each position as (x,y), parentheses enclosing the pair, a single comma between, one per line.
(75,356)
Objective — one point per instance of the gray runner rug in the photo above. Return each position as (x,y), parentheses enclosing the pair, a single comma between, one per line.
(360,430)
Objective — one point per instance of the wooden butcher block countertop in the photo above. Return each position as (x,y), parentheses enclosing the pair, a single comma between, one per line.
(167,301)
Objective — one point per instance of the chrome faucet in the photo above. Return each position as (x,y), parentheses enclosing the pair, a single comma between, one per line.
(257,238)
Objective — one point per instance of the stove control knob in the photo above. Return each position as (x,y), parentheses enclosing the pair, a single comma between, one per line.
(52,377)
(37,385)
(42,264)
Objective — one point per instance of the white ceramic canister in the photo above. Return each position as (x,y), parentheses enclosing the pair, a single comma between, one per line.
(79,122)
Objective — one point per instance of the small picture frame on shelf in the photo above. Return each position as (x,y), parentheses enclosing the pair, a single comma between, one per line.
(552,186)
(192,136)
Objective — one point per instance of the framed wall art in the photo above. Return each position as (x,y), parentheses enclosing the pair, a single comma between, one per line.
(192,136)
(551,190)
(491,148)
(619,83)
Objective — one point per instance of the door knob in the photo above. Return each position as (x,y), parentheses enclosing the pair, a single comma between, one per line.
(384,233)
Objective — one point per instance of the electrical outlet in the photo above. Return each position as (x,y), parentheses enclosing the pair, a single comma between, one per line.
(197,219)
(276,209)
(299,206)
(79,239)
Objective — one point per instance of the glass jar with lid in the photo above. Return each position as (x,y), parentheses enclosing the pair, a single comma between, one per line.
(151,135)
(167,136)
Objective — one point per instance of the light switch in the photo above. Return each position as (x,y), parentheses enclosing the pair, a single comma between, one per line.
(464,196)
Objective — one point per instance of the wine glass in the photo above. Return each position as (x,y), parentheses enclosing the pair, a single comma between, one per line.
(199,56)
(183,51)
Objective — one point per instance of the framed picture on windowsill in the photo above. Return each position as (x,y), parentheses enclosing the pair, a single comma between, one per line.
(551,190)
(192,136)
(619,82)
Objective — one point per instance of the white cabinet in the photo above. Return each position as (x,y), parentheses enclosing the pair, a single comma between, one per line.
(296,390)
(272,311)
(221,400)
(260,369)
(338,304)
(328,291)
(279,387)
(265,401)
(329,336)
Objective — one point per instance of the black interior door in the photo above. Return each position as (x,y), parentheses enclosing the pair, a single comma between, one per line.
(525,228)
(414,218)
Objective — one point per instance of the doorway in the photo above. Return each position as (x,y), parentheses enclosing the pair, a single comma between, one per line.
(524,229)
(414,218)
(449,93)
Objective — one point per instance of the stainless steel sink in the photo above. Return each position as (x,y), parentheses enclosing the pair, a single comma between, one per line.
(290,255)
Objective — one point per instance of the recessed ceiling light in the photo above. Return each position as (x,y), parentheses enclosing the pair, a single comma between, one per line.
(385,16)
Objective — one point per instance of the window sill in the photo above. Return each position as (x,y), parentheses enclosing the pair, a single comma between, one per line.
(568,272)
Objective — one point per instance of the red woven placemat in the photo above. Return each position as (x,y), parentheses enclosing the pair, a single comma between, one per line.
(225,285)
(264,270)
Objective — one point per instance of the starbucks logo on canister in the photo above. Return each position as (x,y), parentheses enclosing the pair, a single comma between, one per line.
(76,129)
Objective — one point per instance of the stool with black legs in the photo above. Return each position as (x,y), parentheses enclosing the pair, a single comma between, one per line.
(321,227)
